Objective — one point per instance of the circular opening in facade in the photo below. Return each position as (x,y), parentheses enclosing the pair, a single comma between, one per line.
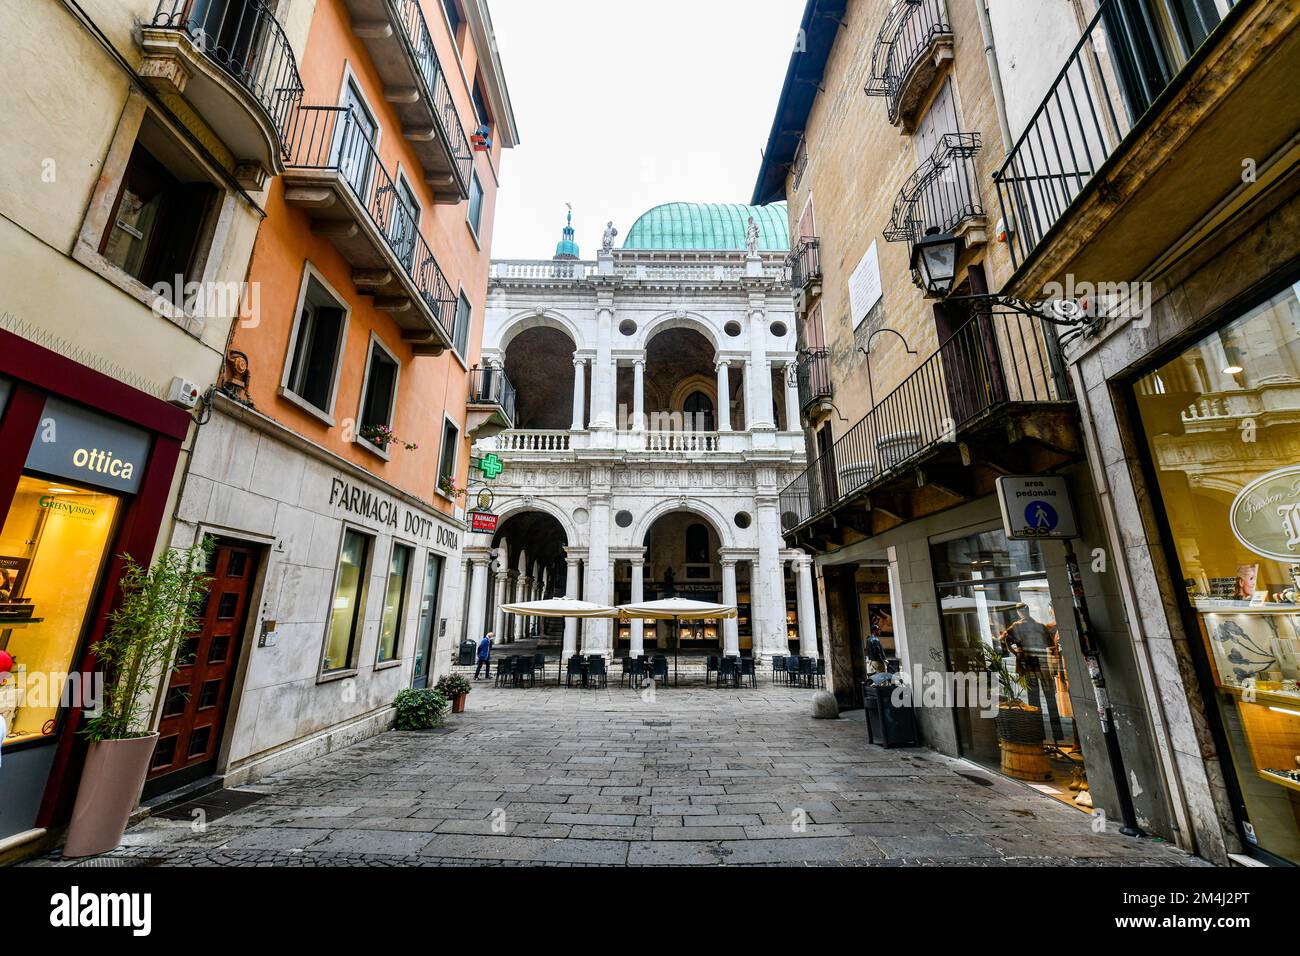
(779,329)
(789,519)
(743,520)
(627,327)
(732,328)
(623,519)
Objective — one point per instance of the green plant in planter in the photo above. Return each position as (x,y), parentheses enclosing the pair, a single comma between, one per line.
(452,684)
(1010,684)
(420,708)
(159,606)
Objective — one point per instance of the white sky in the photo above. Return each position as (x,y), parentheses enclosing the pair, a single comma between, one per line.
(623,105)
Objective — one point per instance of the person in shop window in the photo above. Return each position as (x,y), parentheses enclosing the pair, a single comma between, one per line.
(1035,647)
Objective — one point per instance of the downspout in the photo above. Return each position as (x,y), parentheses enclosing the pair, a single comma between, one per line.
(995,75)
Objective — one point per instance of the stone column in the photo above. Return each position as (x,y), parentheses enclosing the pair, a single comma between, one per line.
(478,587)
(597,631)
(758,376)
(638,595)
(571,623)
(526,622)
(579,395)
(730,625)
(499,619)
(512,593)
(603,378)
(768,580)
(724,396)
(791,397)
(638,395)
(807,619)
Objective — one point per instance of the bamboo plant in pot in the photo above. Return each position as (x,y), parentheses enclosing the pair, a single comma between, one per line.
(1019,726)
(159,606)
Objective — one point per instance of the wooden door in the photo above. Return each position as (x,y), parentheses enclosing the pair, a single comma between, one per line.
(197,703)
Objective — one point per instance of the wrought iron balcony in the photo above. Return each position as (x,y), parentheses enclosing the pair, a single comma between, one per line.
(942,194)
(947,406)
(401,47)
(491,401)
(232,62)
(814,373)
(912,46)
(1090,109)
(805,263)
(335,174)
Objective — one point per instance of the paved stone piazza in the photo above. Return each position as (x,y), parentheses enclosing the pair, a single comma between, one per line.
(697,776)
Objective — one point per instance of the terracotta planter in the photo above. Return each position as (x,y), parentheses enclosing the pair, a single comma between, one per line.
(458,703)
(110,786)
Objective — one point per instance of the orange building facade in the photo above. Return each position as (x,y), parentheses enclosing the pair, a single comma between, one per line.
(332,469)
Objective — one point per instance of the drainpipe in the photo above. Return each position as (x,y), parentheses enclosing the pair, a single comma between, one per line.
(995,74)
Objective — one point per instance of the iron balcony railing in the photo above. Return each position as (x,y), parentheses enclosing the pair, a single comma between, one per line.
(990,362)
(417,32)
(941,194)
(800,165)
(490,386)
(814,377)
(909,28)
(805,262)
(246,41)
(330,138)
(1114,74)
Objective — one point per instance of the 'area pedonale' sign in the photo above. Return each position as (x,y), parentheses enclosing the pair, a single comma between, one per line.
(1266,515)
(361,502)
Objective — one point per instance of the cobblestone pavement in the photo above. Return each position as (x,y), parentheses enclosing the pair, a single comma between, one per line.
(698,776)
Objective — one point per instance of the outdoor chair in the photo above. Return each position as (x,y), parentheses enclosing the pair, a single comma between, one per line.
(710,666)
(806,671)
(778,668)
(747,670)
(525,667)
(728,670)
(820,672)
(637,672)
(573,670)
(596,674)
(505,671)
(659,668)
(626,664)
(539,661)
(792,670)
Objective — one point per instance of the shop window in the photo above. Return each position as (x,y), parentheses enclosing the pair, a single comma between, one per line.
(317,342)
(379,392)
(475,210)
(390,625)
(1011,687)
(347,612)
(1221,424)
(158,214)
(53,543)
(447,456)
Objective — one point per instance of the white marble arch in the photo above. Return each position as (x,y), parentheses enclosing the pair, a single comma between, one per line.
(677,319)
(694,506)
(536,319)
(521,505)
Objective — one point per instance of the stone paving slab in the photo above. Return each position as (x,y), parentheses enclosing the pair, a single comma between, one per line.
(555,777)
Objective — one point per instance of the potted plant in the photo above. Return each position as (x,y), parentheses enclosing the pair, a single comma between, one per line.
(382,436)
(1019,726)
(159,605)
(419,709)
(454,687)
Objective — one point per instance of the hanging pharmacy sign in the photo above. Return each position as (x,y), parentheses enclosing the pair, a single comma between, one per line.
(1265,515)
(1036,506)
(483,521)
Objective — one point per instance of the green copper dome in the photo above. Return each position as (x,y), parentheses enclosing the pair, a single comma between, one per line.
(567,247)
(689,225)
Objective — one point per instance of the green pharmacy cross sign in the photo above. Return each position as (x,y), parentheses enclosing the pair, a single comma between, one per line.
(490,466)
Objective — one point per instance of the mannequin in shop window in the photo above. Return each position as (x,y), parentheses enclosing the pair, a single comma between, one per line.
(1035,647)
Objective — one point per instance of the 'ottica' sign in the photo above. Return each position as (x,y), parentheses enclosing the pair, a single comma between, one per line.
(83,446)
(1266,515)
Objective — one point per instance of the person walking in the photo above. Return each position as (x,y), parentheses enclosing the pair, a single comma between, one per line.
(485,655)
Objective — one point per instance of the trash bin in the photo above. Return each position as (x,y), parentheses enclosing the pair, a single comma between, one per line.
(467,649)
(887,724)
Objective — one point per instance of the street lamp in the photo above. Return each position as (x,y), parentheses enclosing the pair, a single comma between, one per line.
(934,259)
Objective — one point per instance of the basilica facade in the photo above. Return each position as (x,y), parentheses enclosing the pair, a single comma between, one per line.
(653,417)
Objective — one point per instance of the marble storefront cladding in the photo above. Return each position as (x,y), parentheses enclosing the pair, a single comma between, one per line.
(252,481)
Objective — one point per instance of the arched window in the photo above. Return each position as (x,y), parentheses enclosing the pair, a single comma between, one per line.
(698,409)
(697,544)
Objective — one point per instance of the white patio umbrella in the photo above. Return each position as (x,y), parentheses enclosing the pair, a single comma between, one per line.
(561,607)
(675,609)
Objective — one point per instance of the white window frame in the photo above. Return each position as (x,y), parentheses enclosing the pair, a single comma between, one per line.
(400,645)
(376,342)
(455,462)
(310,273)
(363,602)
(482,197)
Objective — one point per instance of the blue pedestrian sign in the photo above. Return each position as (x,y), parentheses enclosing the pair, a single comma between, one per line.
(1037,507)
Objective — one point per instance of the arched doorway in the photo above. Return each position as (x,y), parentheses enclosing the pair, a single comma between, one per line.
(681,382)
(530,565)
(539,361)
